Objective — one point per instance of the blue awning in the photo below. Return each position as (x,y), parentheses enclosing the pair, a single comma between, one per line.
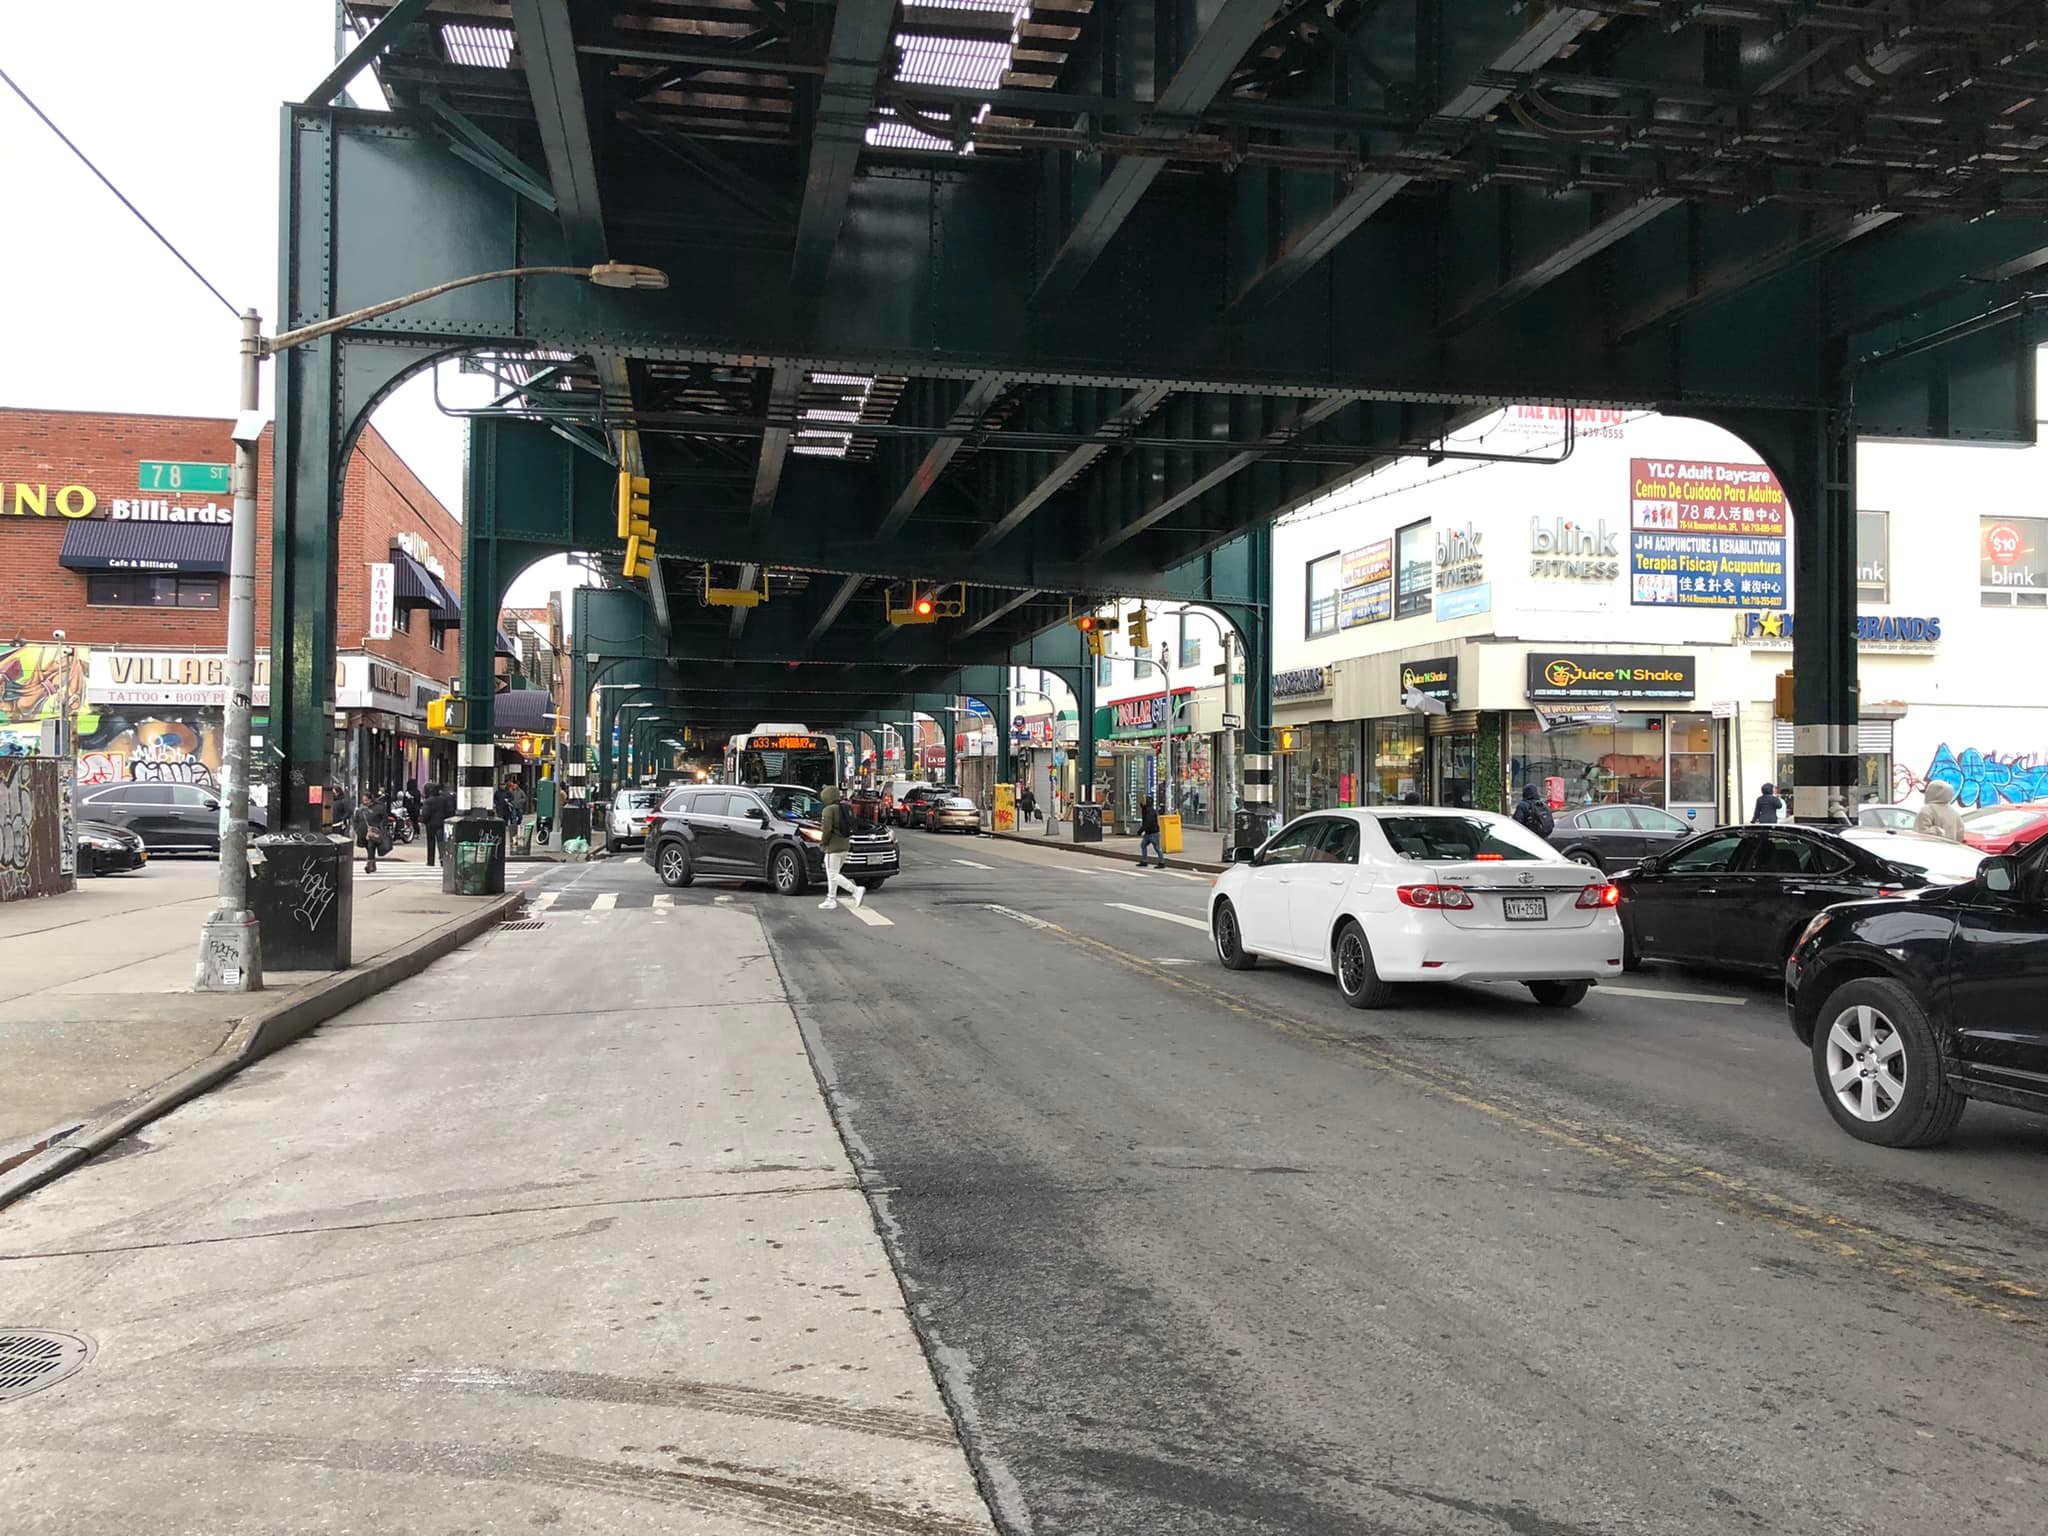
(523,710)
(450,605)
(416,585)
(506,647)
(199,549)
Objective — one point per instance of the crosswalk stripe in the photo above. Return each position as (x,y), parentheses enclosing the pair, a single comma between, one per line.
(1182,874)
(663,902)
(1164,917)
(606,900)
(545,900)
(872,919)
(972,865)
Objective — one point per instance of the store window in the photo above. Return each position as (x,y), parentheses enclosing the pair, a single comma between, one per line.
(133,589)
(1322,771)
(1622,763)
(1873,557)
(1323,575)
(1414,568)
(1690,740)
(1399,752)
(2013,561)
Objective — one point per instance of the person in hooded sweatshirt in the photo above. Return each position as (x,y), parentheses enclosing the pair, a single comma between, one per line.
(1938,816)
(1768,806)
(835,841)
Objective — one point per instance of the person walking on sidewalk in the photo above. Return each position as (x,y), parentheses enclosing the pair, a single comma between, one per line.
(409,796)
(434,813)
(835,844)
(342,812)
(1148,832)
(505,806)
(373,824)
(1531,812)
(1768,806)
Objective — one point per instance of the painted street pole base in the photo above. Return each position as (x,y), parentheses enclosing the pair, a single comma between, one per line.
(230,954)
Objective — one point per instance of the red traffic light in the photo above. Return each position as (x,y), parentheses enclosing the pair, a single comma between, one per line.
(924,607)
(1085,623)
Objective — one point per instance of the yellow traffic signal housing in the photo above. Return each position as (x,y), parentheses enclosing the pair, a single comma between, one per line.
(640,555)
(448,715)
(634,506)
(1283,739)
(1141,630)
(734,597)
(924,607)
(1782,706)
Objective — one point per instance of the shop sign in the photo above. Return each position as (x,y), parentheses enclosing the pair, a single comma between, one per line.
(1575,675)
(1565,719)
(1464,603)
(361,683)
(73,503)
(1705,535)
(2013,553)
(1459,560)
(197,678)
(1564,550)
(1149,714)
(1549,420)
(1773,631)
(1301,683)
(1437,677)
(416,546)
(1366,593)
(383,598)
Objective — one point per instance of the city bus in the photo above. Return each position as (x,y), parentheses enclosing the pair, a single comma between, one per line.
(782,754)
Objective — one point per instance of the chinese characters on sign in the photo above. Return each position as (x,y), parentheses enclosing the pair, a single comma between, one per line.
(383,594)
(1705,535)
(1368,585)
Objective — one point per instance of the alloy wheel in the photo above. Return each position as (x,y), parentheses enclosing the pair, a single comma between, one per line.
(1226,932)
(1866,1061)
(785,873)
(1580,856)
(672,864)
(1351,962)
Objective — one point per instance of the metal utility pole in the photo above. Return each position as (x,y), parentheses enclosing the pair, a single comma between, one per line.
(231,943)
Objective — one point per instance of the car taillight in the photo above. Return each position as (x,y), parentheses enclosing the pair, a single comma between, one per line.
(1600,896)
(1433,896)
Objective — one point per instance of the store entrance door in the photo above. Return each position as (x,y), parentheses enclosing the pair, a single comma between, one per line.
(1451,769)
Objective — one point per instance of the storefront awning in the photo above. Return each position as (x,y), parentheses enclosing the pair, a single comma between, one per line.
(522,711)
(505,645)
(416,586)
(197,549)
(450,615)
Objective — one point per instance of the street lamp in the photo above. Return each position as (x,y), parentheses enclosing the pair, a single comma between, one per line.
(230,946)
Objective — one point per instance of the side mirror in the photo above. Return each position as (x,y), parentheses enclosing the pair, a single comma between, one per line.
(758,814)
(213,805)
(2000,876)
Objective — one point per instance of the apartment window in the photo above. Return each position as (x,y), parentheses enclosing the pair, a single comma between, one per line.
(1323,576)
(1414,569)
(401,621)
(1873,557)
(437,636)
(133,589)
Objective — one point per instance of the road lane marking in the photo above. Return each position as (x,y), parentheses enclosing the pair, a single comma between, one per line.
(872,919)
(972,865)
(663,902)
(545,900)
(1022,917)
(1674,997)
(1165,917)
(605,901)
(1182,874)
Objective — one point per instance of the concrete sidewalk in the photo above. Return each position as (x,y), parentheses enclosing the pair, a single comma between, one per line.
(96,1006)
(536,1242)
(1202,851)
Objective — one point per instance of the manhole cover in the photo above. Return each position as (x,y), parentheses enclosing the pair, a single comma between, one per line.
(524,922)
(32,1359)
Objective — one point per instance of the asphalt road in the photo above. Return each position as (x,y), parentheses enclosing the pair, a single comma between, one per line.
(1196,1251)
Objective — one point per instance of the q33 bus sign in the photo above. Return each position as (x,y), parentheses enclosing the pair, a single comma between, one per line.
(1579,675)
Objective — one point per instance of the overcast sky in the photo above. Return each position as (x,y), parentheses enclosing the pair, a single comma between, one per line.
(180,106)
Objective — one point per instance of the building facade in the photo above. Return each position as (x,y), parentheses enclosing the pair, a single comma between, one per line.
(1612,627)
(114,529)
(1168,717)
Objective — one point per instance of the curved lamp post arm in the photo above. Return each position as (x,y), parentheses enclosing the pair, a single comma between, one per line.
(609,274)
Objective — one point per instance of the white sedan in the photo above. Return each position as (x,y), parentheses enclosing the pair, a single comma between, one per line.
(1411,893)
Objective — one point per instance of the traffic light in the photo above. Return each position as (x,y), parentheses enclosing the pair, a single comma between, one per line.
(1141,631)
(1283,739)
(633,504)
(1782,707)
(450,716)
(925,607)
(640,554)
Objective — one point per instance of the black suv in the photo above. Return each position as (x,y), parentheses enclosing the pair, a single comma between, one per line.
(1915,1005)
(766,832)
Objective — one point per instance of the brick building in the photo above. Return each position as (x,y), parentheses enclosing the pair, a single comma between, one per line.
(114,529)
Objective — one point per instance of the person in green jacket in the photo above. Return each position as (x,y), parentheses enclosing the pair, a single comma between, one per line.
(835,843)
(545,794)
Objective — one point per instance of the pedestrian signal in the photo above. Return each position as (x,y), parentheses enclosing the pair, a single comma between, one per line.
(1284,739)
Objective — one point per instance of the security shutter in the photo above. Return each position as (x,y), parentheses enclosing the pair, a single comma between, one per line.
(1873,737)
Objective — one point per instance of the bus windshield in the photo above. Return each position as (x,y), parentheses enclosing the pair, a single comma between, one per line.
(812,767)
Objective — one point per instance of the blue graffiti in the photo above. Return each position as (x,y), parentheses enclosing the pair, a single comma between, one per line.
(1986,778)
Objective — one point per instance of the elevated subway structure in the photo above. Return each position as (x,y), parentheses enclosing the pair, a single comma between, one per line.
(1068,301)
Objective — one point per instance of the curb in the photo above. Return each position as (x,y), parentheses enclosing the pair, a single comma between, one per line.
(1095,850)
(251,1040)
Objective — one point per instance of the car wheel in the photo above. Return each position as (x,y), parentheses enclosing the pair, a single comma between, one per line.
(672,863)
(1879,1067)
(1230,939)
(1559,994)
(1357,978)
(1631,957)
(787,871)
(1587,857)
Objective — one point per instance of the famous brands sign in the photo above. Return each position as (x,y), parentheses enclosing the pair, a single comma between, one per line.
(1569,676)
(1705,535)
(1301,683)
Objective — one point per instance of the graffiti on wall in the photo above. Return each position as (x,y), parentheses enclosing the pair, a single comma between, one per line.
(32,798)
(36,681)
(1986,778)
(17,831)
(163,749)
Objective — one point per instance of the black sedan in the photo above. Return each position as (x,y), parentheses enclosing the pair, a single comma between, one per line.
(1606,837)
(105,849)
(1740,896)
(1914,1005)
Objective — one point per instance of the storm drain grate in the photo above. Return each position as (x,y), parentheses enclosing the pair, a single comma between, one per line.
(523,922)
(32,1359)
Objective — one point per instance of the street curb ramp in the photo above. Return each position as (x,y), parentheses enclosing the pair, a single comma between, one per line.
(255,1037)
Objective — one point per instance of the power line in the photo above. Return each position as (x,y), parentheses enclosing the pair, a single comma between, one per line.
(87,163)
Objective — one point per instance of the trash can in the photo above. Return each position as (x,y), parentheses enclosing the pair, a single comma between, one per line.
(1250,827)
(1169,834)
(574,822)
(473,863)
(1087,822)
(303,894)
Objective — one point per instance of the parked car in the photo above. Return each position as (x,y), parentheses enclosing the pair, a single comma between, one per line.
(1936,857)
(1607,837)
(865,803)
(1740,896)
(633,810)
(1400,893)
(169,818)
(730,832)
(952,813)
(916,803)
(893,793)
(104,849)
(2006,828)
(1898,818)
(1914,1006)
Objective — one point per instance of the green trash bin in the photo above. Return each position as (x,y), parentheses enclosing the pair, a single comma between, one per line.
(473,863)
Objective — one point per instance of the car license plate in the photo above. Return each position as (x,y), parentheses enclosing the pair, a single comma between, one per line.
(1525,909)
